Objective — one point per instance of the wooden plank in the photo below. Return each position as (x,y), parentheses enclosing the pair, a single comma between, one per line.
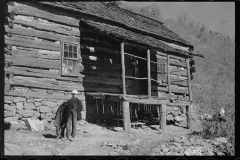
(26,83)
(41,34)
(149,73)
(162,115)
(30,11)
(126,116)
(32,43)
(31,72)
(32,54)
(99,50)
(168,76)
(40,26)
(40,95)
(33,62)
(102,80)
(123,68)
(189,116)
(173,90)
(179,82)
(102,89)
(189,80)
(100,71)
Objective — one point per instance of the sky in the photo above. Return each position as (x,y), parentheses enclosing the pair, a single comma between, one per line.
(208,13)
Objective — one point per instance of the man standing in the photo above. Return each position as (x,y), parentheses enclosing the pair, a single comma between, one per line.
(75,107)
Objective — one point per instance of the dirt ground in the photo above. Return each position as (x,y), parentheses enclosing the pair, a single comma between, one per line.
(91,139)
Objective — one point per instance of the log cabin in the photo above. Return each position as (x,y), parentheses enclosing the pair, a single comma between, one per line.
(125,65)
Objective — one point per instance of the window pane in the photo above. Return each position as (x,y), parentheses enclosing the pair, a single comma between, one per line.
(70,48)
(70,54)
(70,66)
(65,53)
(74,55)
(74,66)
(64,66)
(66,47)
(75,48)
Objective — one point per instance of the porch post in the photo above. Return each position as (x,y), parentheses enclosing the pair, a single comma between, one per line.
(126,116)
(149,73)
(123,69)
(162,116)
(168,75)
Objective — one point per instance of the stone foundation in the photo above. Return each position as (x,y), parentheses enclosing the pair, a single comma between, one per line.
(19,108)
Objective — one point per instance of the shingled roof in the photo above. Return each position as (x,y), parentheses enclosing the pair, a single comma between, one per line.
(125,18)
(121,33)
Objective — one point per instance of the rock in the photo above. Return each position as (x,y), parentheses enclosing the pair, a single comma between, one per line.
(103,144)
(44,103)
(8,119)
(38,100)
(168,154)
(177,139)
(187,153)
(165,150)
(179,119)
(42,115)
(220,154)
(177,145)
(25,113)
(18,116)
(19,106)
(31,125)
(36,114)
(215,143)
(39,124)
(44,109)
(8,113)
(54,110)
(6,106)
(173,149)
(191,140)
(13,122)
(221,140)
(19,99)
(30,100)
(187,143)
(118,129)
(37,104)
(51,104)
(29,106)
(170,117)
(10,107)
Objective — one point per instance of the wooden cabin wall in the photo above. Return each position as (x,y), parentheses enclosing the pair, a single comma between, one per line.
(33,81)
(101,62)
(178,78)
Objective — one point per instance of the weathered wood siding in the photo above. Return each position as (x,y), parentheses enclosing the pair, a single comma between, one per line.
(178,78)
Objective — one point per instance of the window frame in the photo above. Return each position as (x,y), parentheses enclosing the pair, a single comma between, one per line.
(75,74)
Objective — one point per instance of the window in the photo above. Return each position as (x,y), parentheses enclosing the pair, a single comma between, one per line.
(161,70)
(70,59)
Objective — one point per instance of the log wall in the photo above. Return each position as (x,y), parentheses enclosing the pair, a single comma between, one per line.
(33,61)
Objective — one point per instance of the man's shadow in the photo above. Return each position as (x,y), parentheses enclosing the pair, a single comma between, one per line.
(49,136)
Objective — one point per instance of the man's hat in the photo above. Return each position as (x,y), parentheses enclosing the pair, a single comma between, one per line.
(74,92)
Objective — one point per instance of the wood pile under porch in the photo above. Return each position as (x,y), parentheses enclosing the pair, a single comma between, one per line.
(109,107)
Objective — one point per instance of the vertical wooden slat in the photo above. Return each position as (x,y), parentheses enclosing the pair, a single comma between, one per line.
(149,73)
(126,116)
(123,69)
(168,75)
(162,116)
(189,80)
(189,116)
